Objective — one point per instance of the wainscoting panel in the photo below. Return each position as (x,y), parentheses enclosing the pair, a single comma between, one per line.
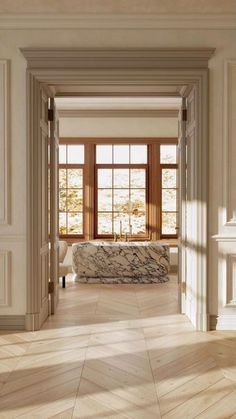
(229,141)
(226,318)
(231,280)
(5,279)
(4,143)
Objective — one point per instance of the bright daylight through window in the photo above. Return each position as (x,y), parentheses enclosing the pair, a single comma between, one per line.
(128,188)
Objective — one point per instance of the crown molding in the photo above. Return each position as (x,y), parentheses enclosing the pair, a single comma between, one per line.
(124,113)
(223,238)
(118,21)
(117,59)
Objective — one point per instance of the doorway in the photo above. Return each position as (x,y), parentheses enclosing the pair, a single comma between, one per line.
(116,179)
(122,73)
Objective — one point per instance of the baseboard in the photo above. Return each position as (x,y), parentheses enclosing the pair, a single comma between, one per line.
(213,321)
(226,322)
(12,322)
(34,321)
(173,269)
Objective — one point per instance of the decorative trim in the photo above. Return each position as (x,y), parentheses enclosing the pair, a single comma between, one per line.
(118,21)
(12,322)
(226,322)
(123,69)
(221,238)
(229,148)
(12,238)
(230,281)
(4,143)
(33,321)
(117,59)
(5,277)
(128,113)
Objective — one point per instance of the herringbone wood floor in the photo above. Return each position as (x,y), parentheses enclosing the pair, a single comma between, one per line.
(118,351)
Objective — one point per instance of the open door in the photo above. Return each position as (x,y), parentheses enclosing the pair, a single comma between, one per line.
(189,223)
(42,269)
(191,211)
(54,231)
(182,205)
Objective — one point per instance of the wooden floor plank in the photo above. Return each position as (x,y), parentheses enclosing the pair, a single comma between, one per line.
(118,351)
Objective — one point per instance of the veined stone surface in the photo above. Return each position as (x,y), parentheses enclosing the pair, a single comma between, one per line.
(120,262)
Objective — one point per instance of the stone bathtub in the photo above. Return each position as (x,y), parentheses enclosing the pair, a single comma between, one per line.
(120,262)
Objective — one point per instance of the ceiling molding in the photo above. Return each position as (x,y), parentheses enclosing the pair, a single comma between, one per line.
(128,113)
(117,59)
(118,21)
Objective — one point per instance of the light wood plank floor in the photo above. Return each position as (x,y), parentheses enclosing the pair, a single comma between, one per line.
(118,351)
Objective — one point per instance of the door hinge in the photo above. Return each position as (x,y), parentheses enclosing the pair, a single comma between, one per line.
(50,115)
(184,114)
(50,287)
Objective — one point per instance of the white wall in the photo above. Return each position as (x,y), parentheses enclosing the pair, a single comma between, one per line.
(222,278)
(118,127)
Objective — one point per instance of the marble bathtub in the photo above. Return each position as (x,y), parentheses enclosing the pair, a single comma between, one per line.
(120,262)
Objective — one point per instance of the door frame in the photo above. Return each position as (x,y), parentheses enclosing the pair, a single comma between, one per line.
(137,72)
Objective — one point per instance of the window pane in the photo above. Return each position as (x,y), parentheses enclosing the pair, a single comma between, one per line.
(74,200)
(121,223)
(105,200)
(169,178)
(169,222)
(138,223)
(75,223)
(75,154)
(62,178)
(62,223)
(62,200)
(62,154)
(168,153)
(137,178)
(121,200)
(104,223)
(75,178)
(138,154)
(121,178)
(138,200)
(104,178)
(104,154)
(169,200)
(121,154)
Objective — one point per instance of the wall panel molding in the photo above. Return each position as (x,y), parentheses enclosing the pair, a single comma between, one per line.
(223,238)
(229,144)
(111,21)
(12,238)
(5,278)
(4,143)
(231,280)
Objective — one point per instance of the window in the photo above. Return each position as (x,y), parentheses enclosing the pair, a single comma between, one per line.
(169,213)
(121,196)
(71,208)
(117,187)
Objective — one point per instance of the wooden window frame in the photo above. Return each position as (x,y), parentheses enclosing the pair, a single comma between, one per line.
(145,236)
(72,237)
(153,185)
(167,166)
